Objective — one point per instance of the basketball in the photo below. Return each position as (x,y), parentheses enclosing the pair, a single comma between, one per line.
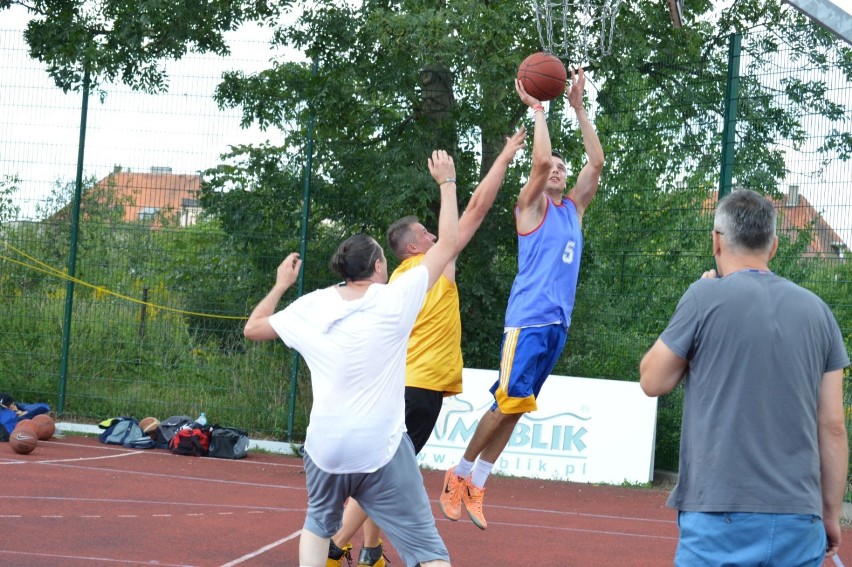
(27,424)
(44,426)
(149,426)
(543,76)
(23,441)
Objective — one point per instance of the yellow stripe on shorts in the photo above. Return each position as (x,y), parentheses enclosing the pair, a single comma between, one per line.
(509,346)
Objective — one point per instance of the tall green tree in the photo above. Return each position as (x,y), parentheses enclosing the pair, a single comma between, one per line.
(395,78)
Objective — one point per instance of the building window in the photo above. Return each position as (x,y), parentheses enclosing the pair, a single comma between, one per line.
(148,213)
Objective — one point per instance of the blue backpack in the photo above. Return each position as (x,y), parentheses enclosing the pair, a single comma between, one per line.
(125,431)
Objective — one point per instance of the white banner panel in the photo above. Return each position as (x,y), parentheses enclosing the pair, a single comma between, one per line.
(584,430)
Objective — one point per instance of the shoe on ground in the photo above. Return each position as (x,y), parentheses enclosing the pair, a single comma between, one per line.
(450,502)
(336,555)
(472,499)
(372,556)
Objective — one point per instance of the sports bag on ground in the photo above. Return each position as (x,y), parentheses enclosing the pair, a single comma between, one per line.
(191,439)
(228,443)
(168,427)
(125,431)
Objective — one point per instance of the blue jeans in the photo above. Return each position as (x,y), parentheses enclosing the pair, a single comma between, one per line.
(747,539)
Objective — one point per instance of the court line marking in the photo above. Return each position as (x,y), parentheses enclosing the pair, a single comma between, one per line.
(76,459)
(581,514)
(171,477)
(542,527)
(263,549)
(255,458)
(169,503)
(93,559)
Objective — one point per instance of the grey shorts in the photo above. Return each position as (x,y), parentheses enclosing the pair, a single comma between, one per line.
(393,496)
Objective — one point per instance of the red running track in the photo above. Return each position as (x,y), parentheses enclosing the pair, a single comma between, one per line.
(77,502)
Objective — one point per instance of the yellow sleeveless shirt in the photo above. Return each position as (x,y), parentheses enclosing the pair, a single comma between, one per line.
(434,360)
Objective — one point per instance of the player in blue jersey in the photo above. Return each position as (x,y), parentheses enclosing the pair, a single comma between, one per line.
(550,243)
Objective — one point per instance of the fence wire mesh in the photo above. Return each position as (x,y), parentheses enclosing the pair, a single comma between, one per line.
(159,293)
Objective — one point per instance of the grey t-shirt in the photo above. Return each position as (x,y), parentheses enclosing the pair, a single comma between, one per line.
(758,346)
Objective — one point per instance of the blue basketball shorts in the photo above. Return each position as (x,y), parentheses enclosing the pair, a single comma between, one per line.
(527,358)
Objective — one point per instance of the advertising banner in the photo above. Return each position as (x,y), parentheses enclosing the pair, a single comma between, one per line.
(584,430)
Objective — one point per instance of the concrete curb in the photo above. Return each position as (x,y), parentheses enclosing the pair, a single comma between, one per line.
(282,448)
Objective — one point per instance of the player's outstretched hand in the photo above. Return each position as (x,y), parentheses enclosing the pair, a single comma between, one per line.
(288,270)
(441,166)
(514,143)
(578,87)
(526,97)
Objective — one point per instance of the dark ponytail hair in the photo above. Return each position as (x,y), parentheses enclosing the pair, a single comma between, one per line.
(355,258)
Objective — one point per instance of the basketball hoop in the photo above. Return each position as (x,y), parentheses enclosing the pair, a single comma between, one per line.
(577,31)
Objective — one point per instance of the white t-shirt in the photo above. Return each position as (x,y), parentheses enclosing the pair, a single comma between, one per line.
(355,351)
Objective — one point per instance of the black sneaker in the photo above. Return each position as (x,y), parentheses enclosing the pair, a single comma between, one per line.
(372,556)
(336,555)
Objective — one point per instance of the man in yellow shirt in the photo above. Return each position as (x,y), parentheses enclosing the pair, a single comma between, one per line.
(434,359)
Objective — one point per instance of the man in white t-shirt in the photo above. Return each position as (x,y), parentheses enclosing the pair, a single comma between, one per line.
(353,337)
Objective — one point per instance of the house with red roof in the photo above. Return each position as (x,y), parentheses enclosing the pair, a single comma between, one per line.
(154,195)
(796,214)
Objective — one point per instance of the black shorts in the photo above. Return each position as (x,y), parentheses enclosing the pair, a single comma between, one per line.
(422,408)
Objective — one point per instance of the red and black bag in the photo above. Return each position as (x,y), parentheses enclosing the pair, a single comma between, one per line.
(191,439)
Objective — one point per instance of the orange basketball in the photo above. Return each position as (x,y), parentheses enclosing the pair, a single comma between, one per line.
(23,441)
(149,426)
(44,426)
(26,424)
(543,75)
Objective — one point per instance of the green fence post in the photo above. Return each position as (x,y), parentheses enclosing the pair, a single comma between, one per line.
(729,129)
(306,213)
(72,254)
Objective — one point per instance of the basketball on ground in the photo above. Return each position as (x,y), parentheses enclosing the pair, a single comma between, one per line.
(27,424)
(44,426)
(543,76)
(23,441)
(149,426)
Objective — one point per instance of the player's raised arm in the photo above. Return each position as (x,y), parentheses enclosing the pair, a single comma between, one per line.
(257,327)
(530,195)
(485,193)
(443,170)
(590,176)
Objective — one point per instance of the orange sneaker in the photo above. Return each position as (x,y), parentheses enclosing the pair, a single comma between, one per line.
(451,495)
(472,500)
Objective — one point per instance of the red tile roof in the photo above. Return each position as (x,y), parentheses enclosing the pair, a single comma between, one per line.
(795,214)
(147,193)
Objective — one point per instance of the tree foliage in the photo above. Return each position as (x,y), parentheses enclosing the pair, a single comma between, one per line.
(387,80)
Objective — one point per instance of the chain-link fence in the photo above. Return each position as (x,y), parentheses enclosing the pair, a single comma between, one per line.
(134,303)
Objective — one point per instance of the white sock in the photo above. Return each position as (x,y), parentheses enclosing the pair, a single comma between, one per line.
(464,467)
(480,473)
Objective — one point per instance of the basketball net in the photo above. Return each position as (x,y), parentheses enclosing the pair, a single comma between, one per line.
(577,31)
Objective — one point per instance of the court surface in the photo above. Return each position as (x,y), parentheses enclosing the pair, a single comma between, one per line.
(75,501)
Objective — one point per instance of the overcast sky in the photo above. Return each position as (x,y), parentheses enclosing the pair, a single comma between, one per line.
(182,129)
